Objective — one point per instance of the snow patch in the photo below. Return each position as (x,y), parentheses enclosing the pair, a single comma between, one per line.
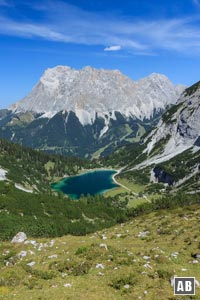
(85,117)
(12,137)
(153,177)
(3,174)
(107,116)
(106,122)
(48,114)
(104,130)
(19,187)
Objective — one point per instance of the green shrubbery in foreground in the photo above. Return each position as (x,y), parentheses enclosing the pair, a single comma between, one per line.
(48,215)
(43,215)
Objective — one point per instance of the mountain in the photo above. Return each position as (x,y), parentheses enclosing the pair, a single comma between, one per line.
(170,154)
(179,128)
(174,146)
(87,112)
(89,91)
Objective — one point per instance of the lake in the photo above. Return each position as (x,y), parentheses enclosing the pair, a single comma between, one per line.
(93,182)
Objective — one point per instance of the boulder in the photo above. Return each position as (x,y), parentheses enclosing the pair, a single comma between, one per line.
(53,256)
(67,285)
(197,283)
(22,254)
(99,266)
(31,264)
(196,255)
(20,237)
(103,246)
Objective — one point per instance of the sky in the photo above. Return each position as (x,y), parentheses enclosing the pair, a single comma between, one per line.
(137,37)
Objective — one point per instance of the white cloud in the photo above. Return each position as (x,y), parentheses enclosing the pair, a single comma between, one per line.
(31,30)
(69,24)
(113,48)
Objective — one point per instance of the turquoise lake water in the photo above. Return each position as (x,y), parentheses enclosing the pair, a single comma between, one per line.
(95,182)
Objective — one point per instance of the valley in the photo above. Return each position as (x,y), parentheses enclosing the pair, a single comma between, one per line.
(88,112)
(99,150)
(125,220)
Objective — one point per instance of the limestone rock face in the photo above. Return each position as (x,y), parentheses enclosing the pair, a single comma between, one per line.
(89,92)
(178,129)
(88,112)
(20,237)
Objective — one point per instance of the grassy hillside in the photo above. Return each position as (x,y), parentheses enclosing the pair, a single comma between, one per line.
(134,260)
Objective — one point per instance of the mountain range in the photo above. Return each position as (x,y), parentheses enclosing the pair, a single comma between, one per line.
(87,112)
(101,113)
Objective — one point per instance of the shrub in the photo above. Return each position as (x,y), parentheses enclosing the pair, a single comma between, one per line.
(32,283)
(120,282)
(40,274)
(82,268)
(81,250)
(164,274)
(72,267)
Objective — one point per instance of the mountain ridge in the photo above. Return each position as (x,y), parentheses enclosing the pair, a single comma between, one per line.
(91,91)
(87,112)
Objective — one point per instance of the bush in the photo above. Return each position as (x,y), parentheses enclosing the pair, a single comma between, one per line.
(119,283)
(32,283)
(81,250)
(40,274)
(82,268)
(72,267)
(164,274)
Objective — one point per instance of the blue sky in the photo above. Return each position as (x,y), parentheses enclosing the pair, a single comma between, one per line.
(137,37)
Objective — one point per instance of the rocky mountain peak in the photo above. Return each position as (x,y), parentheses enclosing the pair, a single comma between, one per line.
(91,91)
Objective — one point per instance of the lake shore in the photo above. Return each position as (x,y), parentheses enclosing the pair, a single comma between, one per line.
(84,171)
(118,171)
(118,183)
(92,181)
